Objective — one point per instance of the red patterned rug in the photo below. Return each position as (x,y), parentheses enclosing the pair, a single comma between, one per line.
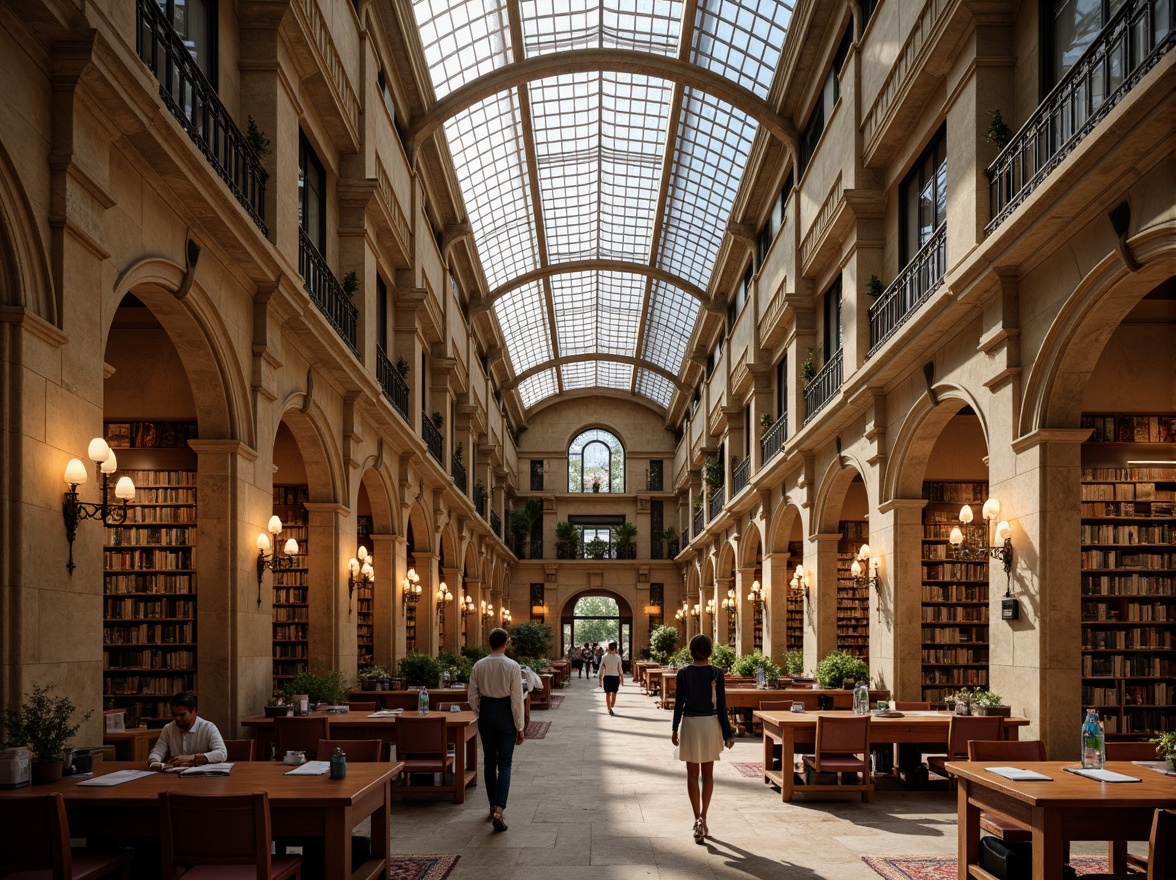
(944,867)
(750,769)
(536,730)
(556,701)
(428,867)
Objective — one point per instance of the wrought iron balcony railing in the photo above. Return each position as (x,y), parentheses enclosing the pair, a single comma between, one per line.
(496,523)
(596,549)
(325,290)
(1132,43)
(716,501)
(392,383)
(740,476)
(433,439)
(920,278)
(194,102)
(823,388)
(480,500)
(773,440)
(699,521)
(457,469)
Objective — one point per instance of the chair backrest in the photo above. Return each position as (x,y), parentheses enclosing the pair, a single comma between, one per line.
(775,705)
(361,707)
(301,733)
(1161,857)
(238,750)
(811,702)
(34,833)
(911,706)
(842,734)
(215,829)
(962,728)
(1131,751)
(448,707)
(1006,750)
(365,750)
(420,735)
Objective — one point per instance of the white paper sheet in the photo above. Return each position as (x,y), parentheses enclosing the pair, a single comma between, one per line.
(1019,774)
(1103,775)
(118,777)
(310,768)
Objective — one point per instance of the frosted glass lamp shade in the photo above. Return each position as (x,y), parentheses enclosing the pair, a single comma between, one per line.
(111,464)
(75,472)
(991,509)
(263,542)
(275,525)
(966,514)
(124,489)
(98,450)
(864,552)
(1003,531)
(956,537)
(856,569)
(291,547)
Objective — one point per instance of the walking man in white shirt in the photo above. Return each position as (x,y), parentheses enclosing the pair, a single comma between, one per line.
(187,741)
(496,696)
(610,676)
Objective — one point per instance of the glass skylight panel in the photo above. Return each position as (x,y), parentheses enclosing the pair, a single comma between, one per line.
(657,388)
(613,374)
(619,310)
(487,148)
(741,39)
(522,314)
(574,295)
(578,374)
(669,321)
(462,39)
(534,388)
(713,144)
(610,24)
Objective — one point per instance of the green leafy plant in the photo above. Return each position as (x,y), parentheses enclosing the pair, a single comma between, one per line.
(567,539)
(874,288)
(808,369)
(458,451)
(327,686)
(419,669)
(697,503)
(766,422)
(670,534)
(350,283)
(748,664)
(663,641)
(373,673)
(1165,744)
(596,548)
(257,141)
(458,666)
(473,653)
(986,698)
(712,473)
(623,533)
(645,654)
(794,662)
(839,667)
(998,134)
(43,724)
(723,656)
(523,519)
(402,367)
(529,638)
(438,420)
(681,657)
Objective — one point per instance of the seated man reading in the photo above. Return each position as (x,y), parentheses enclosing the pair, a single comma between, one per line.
(187,741)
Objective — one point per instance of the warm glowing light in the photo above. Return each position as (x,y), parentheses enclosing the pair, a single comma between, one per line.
(856,569)
(124,489)
(98,450)
(274,526)
(864,552)
(956,537)
(991,509)
(110,465)
(263,542)
(75,472)
(291,548)
(966,514)
(1003,531)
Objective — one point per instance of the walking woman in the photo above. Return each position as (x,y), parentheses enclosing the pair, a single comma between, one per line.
(700,708)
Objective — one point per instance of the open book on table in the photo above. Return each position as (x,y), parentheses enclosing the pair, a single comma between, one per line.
(224,768)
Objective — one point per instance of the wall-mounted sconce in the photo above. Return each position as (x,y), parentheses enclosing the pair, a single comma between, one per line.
(710,607)
(443,598)
(731,603)
(467,606)
(869,580)
(109,514)
(999,545)
(411,589)
(506,617)
(273,561)
(487,613)
(653,612)
(696,611)
(360,571)
(800,583)
(756,596)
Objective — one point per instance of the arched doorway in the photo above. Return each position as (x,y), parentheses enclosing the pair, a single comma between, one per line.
(597,616)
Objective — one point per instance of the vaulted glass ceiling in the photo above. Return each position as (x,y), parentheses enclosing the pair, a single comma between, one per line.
(609,190)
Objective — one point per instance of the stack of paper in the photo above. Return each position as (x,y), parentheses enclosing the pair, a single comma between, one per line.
(1103,775)
(1019,774)
(118,777)
(310,768)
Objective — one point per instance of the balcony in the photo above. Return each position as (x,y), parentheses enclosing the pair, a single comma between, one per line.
(496,523)
(480,500)
(716,501)
(190,97)
(920,278)
(699,522)
(433,439)
(392,383)
(457,469)
(773,440)
(823,388)
(595,549)
(325,290)
(740,476)
(1130,45)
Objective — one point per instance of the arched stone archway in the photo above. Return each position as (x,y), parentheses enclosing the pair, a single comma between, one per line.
(567,618)
(25,280)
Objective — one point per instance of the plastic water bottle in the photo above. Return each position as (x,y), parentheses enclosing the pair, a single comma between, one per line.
(1094,748)
(423,702)
(761,678)
(339,764)
(861,699)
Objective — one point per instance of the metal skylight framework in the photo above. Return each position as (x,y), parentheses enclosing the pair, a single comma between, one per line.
(626,177)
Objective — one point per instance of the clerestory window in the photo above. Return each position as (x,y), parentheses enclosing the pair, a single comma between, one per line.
(596,462)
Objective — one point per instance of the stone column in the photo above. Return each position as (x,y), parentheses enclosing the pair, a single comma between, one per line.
(423,613)
(821,607)
(896,530)
(388,551)
(330,639)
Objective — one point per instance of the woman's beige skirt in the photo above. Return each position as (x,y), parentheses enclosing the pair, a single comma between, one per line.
(700,739)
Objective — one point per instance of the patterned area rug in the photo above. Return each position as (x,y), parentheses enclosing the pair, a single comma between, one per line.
(750,769)
(536,730)
(556,701)
(428,867)
(944,867)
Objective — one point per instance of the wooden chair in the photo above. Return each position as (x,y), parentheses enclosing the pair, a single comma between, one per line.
(775,706)
(1021,751)
(301,733)
(362,707)
(811,702)
(1131,751)
(1161,851)
(911,706)
(238,750)
(363,750)
(960,730)
(421,744)
(843,746)
(213,835)
(448,707)
(34,841)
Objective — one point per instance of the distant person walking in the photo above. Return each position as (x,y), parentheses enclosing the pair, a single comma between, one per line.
(597,656)
(577,660)
(610,676)
(496,696)
(700,709)
(587,655)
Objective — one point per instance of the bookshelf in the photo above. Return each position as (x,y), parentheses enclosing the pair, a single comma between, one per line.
(955,596)
(365,641)
(853,601)
(291,613)
(149,571)
(1128,603)
(794,619)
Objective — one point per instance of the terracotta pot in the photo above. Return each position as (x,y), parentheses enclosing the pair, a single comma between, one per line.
(46,771)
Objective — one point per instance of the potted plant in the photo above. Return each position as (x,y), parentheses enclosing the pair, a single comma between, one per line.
(663,641)
(766,422)
(874,287)
(596,484)
(567,540)
(402,367)
(419,670)
(960,701)
(838,668)
(622,535)
(712,474)
(530,639)
(257,141)
(723,656)
(438,420)
(670,536)
(456,665)
(596,548)
(750,664)
(794,663)
(369,679)
(808,369)
(326,687)
(43,724)
(1166,747)
(350,283)
(989,703)
(998,134)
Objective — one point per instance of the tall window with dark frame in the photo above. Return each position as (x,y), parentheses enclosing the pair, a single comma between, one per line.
(656,480)
(1072,26)
(536,475)
(656,530)
(923,198)
(196,23)
(832,307)
(782,386)
(312,195)
(830,94)
(596,462)
(381,314)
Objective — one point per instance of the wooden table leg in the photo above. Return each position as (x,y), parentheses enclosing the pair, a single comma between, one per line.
(459,764)
(767,754)
(968,831)
(1049,849)
(337,844)
(787,759)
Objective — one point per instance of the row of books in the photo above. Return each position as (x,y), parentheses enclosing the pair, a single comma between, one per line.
(126,536)
(1120,559)
(159,685)
(294,651)
(1133,637)
(288,595)
(1124,492)
(951,571)
(139,514)
(155,434)
(955,656)
(1128,509)
(956,678)
(164,560)
(182,584)
(1127,665)
(949,636)
(290,632)
(1127,584)
(165,494)
(1130,474)
(957,493)
(1136,612)
(121,609)
(1134,533)
(1140,721)
(288,613)
(148,633)
(955,613)
(154,478)
(290,496)
(173,658)
(955,592)
(1130,428)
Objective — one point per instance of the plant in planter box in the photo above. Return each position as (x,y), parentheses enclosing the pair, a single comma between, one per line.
(808,369)
(749,664)
(328,687)
(43,724)
(350,283)
(663,641)
(438,420)
(529,638)
(402,367)
(567,540)
(596,548)
(723,656)
(681,657)
(839,667)
(1166,747)
(473,653)
(622,535)
(989,703)
(766,422)
(458,667)
(419,670)
(712,474)
(794,663)
(369,679)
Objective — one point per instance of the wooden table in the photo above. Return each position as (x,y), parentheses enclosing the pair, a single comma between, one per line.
(562,670)
(300,806)
(1068,808)
(461,731)
(788,729)
(750,697)
(132,744)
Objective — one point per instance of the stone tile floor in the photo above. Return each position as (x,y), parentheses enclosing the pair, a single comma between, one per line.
(602,797)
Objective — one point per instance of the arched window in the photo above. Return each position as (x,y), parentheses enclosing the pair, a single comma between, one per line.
(596,462)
